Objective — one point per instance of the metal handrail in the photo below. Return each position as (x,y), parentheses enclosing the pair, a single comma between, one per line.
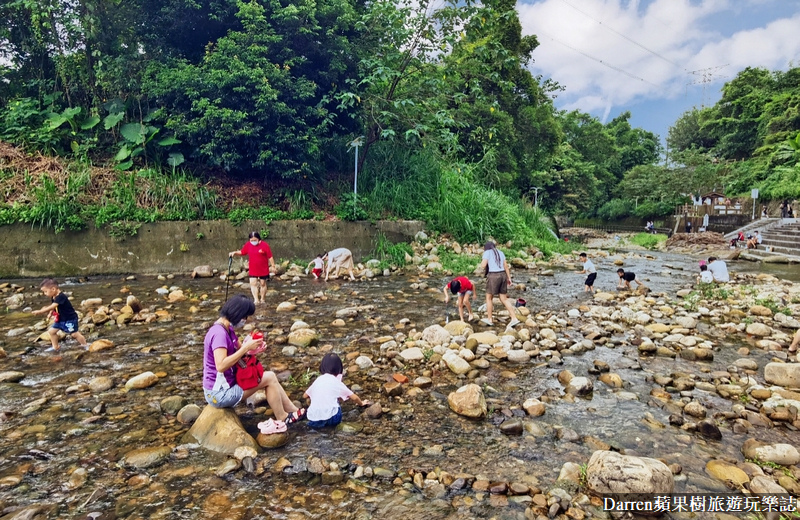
(624,229)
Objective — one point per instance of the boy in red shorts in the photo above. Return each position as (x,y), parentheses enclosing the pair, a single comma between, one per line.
(318,263)
(464,288)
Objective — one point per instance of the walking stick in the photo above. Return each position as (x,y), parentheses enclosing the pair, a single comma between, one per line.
(230,262)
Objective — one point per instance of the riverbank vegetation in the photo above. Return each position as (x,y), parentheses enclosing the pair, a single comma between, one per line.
(147,111)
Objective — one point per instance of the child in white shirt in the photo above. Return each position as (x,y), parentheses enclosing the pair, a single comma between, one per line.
(325,393)
(705,275)
(318,263)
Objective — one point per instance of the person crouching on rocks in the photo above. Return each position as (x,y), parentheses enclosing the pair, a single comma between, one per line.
(222,350)
(465,290)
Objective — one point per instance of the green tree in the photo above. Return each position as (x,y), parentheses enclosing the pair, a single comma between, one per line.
(260,100)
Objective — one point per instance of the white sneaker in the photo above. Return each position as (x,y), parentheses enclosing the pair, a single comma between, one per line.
(513,323)
(486,321)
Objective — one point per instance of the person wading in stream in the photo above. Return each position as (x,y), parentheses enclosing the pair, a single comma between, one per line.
(498,278)
(260,260)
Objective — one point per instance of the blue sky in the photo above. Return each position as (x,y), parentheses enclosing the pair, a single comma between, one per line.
(648,49)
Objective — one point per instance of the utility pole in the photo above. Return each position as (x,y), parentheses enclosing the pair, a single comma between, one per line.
(706,75)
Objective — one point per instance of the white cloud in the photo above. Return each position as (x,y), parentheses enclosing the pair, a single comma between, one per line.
(658,42)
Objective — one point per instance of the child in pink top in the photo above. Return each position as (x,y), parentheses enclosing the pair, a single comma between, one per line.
(325,393)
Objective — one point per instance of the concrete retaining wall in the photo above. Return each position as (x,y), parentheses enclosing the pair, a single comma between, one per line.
(172,247)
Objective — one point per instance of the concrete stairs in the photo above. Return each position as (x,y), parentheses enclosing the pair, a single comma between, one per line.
(778,240)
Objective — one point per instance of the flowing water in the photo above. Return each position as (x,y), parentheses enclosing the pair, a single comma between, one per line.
(52,425)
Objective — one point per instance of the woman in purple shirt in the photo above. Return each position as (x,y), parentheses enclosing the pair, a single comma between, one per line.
(221,353)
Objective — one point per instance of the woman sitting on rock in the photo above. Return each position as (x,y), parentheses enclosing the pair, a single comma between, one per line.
(222,351)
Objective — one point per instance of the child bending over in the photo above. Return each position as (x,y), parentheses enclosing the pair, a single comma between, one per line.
(325,393)
(465,290)
(318,263)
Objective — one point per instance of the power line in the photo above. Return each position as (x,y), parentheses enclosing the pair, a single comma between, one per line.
(654,53)
(598,60)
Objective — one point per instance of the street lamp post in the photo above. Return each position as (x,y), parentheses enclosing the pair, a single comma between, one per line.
(536,196)
(354,144)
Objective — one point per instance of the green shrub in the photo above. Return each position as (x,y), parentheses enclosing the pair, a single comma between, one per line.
(615,209)
(648,240)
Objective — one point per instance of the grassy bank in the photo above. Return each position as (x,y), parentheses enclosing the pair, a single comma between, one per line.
(62,194)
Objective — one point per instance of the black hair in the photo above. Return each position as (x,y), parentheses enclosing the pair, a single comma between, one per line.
(490,246)
(237,308)
(711,259)
(331,364)
(582,255)
(704,267)
(620,271)
(254,234)
(455,286)
(322,254)
(48,283)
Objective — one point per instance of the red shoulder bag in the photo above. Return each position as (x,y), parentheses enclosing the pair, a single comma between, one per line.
(249,372)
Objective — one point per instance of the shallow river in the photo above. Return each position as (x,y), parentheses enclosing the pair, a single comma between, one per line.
(47,433)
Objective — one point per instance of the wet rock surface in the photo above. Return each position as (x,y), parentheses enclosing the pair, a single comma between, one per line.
(676,379)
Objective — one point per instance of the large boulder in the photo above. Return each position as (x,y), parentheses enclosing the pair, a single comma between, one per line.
(15,301)
(468,401)
(11,376)
(203,271)
(303,337)
(783,454)
(219,430)
(611,472)
(481,338)
(456,363)
(727,473)
(458,328)
(146,457)
(783,374)
(580,386)
(143,380)
(436,335)
(758,329)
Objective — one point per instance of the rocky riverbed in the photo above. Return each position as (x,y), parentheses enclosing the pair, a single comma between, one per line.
(679,388)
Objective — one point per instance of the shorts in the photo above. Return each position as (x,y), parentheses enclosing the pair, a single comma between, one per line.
(70,327)
(224,397)
(465,294)
(316,272)
(497,283)
(333,421)
(590,280)
(265,277)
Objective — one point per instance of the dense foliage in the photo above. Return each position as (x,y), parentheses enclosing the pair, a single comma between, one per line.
(456,129)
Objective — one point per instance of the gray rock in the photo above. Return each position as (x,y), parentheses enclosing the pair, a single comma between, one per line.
(172,404)
(146,457)
(11,376)
(188,414)
(783,374)
(19,331)
(611,472)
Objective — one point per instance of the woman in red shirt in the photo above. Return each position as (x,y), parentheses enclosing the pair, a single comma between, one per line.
(464,288)
(260,261)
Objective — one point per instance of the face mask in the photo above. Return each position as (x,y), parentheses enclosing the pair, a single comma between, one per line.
(239,325)
(254,242)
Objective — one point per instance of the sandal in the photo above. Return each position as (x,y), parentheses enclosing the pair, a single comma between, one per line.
(297,415)
(270,426)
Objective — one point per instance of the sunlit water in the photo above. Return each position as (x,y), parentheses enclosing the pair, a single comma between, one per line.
(48,433)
